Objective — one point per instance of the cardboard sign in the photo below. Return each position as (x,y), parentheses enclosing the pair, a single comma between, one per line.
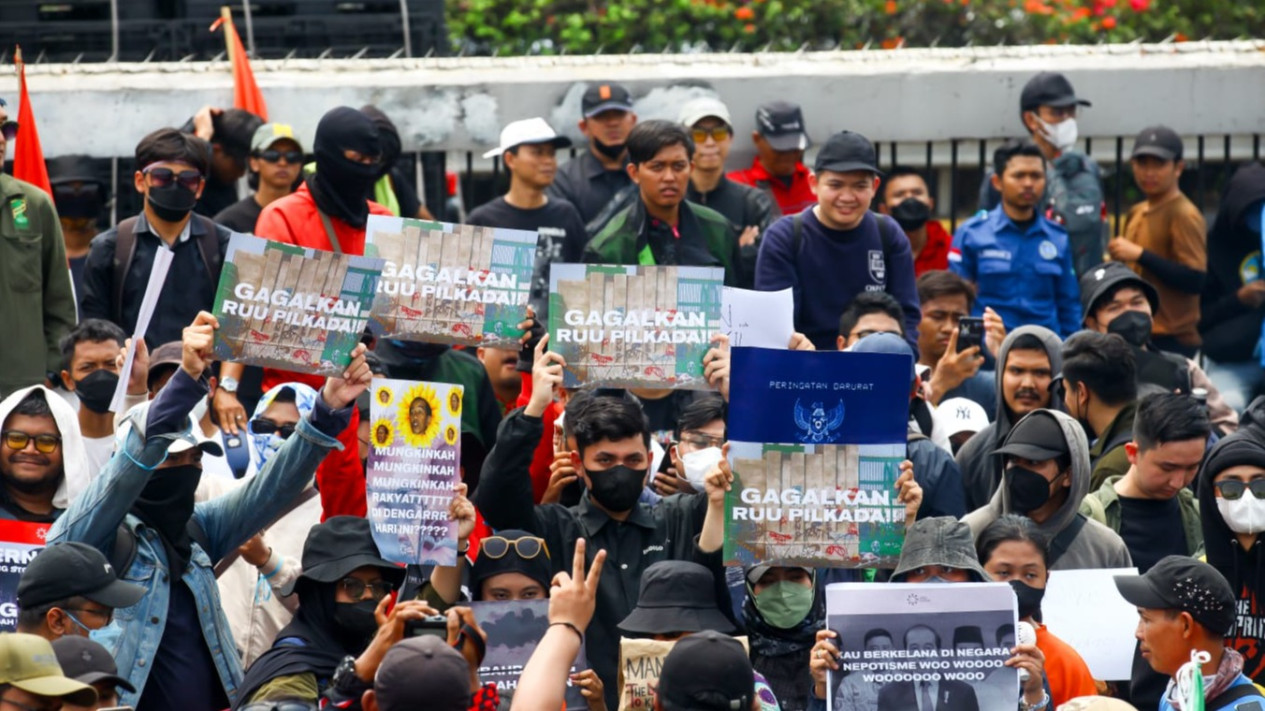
(514,629)
(292,308)
(640,665)
(625,326)
(413,467)
(20,541)
(1084,609)
(457,284)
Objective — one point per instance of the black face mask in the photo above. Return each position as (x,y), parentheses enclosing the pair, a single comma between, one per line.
(166,505)
(171,203)
(611,151)
(97,390)
(911,214)
(1133,326)
(356,624)
(1029,598)
(1029,490)
(618,488)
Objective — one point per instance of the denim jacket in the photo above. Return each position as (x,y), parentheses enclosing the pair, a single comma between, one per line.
(94,517)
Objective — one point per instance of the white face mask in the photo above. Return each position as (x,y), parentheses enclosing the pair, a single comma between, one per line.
(1061,135)
(698,463)
(1243,515)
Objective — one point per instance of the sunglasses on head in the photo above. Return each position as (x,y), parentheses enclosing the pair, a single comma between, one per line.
(162,177)
(275,156)
(527,547)
(263,426)
(44,443)
(718,134)
(1232,489)
(9,129)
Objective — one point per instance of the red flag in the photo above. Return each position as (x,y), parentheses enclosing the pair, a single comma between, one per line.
(246,94)
(28,157)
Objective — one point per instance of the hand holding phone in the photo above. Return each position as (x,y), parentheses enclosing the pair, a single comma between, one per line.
(970,333)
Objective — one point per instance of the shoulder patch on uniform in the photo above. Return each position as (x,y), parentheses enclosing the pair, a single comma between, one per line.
(1047,250)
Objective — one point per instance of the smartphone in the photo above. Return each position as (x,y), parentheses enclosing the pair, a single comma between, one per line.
(970,333)
(434,625)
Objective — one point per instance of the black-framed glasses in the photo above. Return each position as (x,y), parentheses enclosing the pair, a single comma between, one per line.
(162,177)
(527,547)
(275,156)
(1232,489)
(717,134)
(264,426)
(9,129)
(355,588)
(44,443)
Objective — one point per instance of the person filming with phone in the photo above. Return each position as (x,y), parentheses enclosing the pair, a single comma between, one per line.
(959,349)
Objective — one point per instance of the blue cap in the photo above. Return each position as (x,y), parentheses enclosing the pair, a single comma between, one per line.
(887,343)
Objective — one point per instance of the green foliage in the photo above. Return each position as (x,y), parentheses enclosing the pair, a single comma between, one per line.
(517,27)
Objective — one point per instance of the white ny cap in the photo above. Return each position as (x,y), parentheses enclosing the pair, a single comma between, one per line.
(959,414)
(533,131)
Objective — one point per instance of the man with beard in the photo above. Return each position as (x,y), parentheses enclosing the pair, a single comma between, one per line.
(42,457)
(393,190)
(1116,300)
(276,159)
(91,372)
(593,178)
(1028,360)
(176,641)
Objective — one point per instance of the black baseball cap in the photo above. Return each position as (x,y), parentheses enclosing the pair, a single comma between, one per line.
(1049,89)
(847,151)
(1184,584)
(1159,141)
(707,671)
(1104,278)
(73,569)
(423,672)
(605,96)
(86,661)
(1037,437)
(782,125)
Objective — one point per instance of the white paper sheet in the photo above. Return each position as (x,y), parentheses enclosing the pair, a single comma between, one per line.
(157,277)
(1084,609)
(757,319)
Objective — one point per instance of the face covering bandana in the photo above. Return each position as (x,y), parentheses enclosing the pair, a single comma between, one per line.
(356,621)
(1133,326)
(1029,490)
(171,203)
(96,390)
(166,505)
(1243,515)
(1029,598)
(611,151)
(266,445)
(784,604)
(1061,135)
(911,214)
(617,488)
(340,185)
(697,464)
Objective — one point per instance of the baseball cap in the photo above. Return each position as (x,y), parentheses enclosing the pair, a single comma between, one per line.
(180,441)
(782,125)
(1102,279)
(85,660)
(1159,141)
(888,343)
(270,133)
(605,96)
(696,110)
(960,414)
(847,151)
(1184,584)
(528,131)
(166,357)
(68,569)
(422,672)
(676,596)
(27,661)
(1037,437)
(1049,89)
(707,671)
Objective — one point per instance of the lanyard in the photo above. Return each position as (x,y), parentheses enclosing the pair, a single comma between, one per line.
(329,232)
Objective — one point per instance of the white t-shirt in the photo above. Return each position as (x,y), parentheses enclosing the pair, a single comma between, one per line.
(99,450)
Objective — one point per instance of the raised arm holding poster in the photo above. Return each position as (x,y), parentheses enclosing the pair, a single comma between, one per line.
(816,442)
(514,629)
(414,454)
(919,645)
(457,284)
(293,308)
(625,326)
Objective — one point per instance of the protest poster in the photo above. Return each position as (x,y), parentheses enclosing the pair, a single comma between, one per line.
(514,628)
(816,442)
(455,284)
(640,665)
(634,326)
(20,541)
(413,467)
(757,319)
(903,643)
(292,308)
(1085,610)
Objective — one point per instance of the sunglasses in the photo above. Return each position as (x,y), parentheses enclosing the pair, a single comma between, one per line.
(44,443)
(262,426)
(1232,489)
(275,156)
(527,547)
(9,129)
(718,134)
(162,177)
(355,588)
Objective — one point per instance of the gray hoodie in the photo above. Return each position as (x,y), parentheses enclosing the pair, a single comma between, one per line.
(981,471)
(1095,546)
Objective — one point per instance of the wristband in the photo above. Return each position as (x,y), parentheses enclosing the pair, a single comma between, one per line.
(1038,706)
(463,551)
(571,627)
(272,565)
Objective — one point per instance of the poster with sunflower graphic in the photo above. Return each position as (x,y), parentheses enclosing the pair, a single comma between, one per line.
(458,284)
(414,458)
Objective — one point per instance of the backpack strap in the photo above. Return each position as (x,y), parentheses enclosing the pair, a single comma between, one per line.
(1122,438)
(1227,699)
(1063,541)
(797,233)
(123,550)
(209,247)
(124,252)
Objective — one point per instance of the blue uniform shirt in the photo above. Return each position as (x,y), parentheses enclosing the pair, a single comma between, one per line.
(1027,277)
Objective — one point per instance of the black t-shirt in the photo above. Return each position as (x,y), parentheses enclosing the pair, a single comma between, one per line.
(216,197)
(1152,529)
(183,675)
(240,216)
(561,236)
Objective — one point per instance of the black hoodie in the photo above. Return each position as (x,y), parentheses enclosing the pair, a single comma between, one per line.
(1230,329)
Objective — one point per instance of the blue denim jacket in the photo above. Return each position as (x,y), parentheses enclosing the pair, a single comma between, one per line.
(94,517)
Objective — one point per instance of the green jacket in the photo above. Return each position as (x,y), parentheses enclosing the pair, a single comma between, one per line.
(35,290)
(1103,505)
(623,239)
(1113,462)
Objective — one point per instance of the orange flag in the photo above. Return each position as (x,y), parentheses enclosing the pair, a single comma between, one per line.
(28,157)
(246,94)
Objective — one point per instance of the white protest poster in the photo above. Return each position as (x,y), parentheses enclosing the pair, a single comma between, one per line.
(153,288)
(757,319)
(1084,609)
(904,644)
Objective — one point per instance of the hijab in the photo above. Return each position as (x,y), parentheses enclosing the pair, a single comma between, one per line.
(339,185)
(265,445)
(539,568)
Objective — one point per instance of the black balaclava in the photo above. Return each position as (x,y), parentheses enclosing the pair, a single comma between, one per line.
(388,134)
(166,505)
(340,185)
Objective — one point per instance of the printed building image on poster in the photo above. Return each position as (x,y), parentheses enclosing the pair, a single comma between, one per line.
(905,645)
(457,284)
(20,541)
(292,308)
(514,628)
(816,442)
(414,456)
(628,326)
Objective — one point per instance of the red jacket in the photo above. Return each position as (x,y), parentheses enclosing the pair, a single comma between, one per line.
(935,253)
(790,200)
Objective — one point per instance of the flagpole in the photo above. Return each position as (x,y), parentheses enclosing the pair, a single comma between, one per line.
(408,40)
(250,29)
(114,30)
